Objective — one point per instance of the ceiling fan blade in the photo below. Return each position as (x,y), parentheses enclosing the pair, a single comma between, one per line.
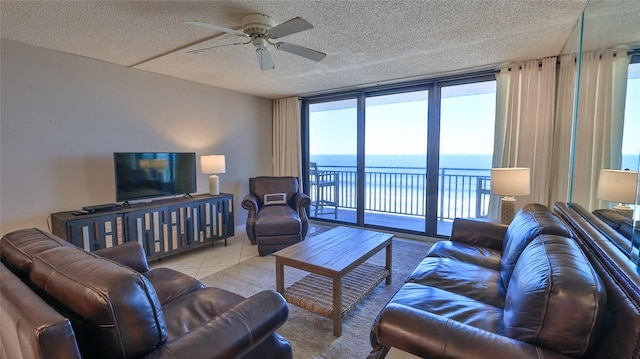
(217,28)
(292,26)
(264,59)
(214,47)
(301,51)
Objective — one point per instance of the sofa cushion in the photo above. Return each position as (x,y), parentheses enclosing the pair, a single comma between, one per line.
(473,281)
(115,309)
(201,307)
(555,298)
(170,284)
(277,221)
(130,254)
(468,253)
(530,222)
(18,248)
(450,305)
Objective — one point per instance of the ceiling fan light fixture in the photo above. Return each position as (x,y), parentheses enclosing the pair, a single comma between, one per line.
(259,43)
(264,59)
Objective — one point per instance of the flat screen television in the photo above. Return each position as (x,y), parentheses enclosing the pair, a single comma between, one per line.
(141,175)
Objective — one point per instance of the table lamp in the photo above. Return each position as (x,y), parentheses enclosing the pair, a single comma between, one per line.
(213,164)
(619,186)
(509,182)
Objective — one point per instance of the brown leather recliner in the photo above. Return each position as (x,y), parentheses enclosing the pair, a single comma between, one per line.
(277,213)
(64,302)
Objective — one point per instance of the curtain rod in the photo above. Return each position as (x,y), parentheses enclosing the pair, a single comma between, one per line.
(634,53)
(399,85)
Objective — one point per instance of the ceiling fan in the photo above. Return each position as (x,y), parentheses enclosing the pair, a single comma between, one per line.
(261,30)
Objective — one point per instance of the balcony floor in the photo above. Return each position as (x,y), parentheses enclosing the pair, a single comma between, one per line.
(388,220)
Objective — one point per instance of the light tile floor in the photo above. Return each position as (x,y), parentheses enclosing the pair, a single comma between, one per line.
(203,261)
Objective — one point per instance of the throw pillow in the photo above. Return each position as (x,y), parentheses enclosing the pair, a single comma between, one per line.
(275,198)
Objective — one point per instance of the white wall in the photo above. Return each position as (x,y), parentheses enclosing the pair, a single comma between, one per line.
(63,116)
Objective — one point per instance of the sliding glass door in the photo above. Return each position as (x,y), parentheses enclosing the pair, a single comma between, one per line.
(467,121)
(395,160)
(409,158)
(333,160)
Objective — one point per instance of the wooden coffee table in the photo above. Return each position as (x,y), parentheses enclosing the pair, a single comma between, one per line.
(338,277)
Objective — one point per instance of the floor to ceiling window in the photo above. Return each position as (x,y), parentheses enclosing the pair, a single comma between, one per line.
(467,119)
(333,159)
(631,130)
(409,158)
(395,160)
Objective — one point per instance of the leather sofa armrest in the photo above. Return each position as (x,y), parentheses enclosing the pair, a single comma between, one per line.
(302,202)
(250,203)
(31,328)
(431,336)
(130,254)
(478,233)
(232,334)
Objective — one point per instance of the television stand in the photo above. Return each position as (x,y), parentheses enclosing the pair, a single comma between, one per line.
(162,227)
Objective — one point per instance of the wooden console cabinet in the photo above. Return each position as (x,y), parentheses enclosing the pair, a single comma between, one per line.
(162,227)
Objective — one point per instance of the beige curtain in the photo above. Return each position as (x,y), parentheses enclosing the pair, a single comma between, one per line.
(603,83)
(286,137)
(525,102)
(563,125)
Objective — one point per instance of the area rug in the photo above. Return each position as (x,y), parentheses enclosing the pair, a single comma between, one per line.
(311,335)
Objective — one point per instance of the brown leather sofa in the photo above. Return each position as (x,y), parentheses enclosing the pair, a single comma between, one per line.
(492,291)
(58,301)
(277,215)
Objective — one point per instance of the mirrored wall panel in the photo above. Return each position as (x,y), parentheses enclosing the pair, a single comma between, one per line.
(606,145)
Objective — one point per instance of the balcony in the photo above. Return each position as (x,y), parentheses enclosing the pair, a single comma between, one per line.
(395,197)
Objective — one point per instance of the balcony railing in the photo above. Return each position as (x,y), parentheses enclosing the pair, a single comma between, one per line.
(462,192)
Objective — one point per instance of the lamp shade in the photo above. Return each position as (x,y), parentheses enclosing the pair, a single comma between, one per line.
(512,181)
(618,186)
(212,164)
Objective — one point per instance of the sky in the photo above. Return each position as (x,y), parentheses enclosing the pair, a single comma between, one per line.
(397,125)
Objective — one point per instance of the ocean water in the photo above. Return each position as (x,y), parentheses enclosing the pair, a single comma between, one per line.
(420,161)
(397,183)
(404,161)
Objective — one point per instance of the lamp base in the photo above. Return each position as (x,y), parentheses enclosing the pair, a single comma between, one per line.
(214,185)
(507,209)
(624,210)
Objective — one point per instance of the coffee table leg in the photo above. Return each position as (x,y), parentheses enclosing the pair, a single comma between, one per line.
(337,306)
(279,277)
(388,265)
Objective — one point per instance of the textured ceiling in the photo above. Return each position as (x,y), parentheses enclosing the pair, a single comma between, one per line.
(366,42)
